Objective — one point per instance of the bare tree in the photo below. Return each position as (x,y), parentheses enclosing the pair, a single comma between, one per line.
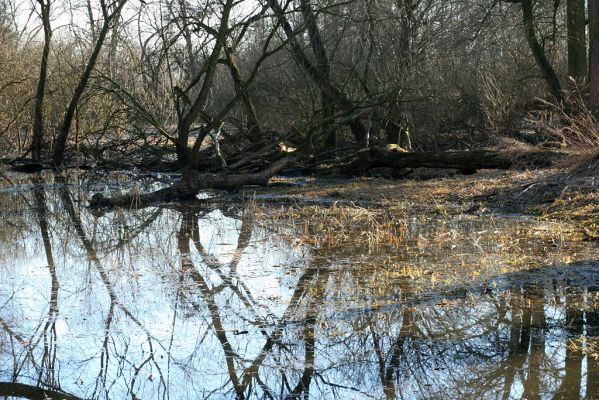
(38,119)
(577,43)
(594,55)
(538,52)
(318,70)
(110,11)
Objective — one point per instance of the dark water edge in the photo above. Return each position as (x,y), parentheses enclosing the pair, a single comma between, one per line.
(224,301)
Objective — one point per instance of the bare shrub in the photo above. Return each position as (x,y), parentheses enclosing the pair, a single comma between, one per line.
(570,125)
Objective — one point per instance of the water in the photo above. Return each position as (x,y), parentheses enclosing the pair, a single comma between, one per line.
(223,301)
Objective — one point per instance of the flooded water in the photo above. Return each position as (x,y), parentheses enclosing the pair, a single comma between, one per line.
(231,301)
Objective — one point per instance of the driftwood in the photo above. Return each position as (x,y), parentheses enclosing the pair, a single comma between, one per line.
(465,161)
(188,187)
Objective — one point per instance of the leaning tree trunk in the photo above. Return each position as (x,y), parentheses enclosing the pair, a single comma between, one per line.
(38,118)
(199,104)
(63,134)
(318,73)
(539,54)
(253,126)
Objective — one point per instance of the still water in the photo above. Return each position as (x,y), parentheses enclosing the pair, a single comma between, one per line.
(212,300)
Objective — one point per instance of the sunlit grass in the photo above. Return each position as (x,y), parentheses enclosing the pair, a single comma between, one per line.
(383,253)
(340,225)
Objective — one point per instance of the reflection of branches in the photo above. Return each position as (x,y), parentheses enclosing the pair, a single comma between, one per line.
(242,383)
(535,297)
(46,369)
(300,291)
(130,233)
(387,368)
(92,256)
(571,383)
(102,378)
(28,348)
(208,296)
(49,352)
(521,362)
(317,292)
(245,234)
(138,370)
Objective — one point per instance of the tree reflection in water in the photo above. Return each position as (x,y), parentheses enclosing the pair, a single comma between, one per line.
(191,301)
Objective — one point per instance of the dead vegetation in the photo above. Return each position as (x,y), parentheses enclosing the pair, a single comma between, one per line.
(564,195)
(419,238)
(341,225)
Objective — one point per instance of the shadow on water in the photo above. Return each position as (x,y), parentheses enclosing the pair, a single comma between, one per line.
(190,301)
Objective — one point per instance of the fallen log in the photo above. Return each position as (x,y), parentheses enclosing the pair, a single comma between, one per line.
(188,187)
(26,166)
(465,161)
(14,389)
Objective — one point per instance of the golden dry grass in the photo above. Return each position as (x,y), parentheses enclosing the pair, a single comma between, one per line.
(321,226)
(383,235)
(557,194)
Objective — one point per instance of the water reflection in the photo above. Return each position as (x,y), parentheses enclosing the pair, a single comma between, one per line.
(192,301)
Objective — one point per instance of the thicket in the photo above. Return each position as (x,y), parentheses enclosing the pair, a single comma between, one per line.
(310,75)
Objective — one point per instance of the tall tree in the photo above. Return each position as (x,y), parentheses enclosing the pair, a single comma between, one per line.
(538,50)
(319,71)
(594,56)
(38,117)
(111,11)
(577,45)
(254,132)
(209,36)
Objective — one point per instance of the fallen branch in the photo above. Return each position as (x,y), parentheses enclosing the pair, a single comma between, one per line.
(190,186)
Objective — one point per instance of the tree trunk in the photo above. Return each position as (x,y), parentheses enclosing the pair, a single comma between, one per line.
(63,134)
(594,57)
(191,183)
(253,127)
(539,54)
(12,389)
(38,119)
(323,71)
(320,73)
(577,46)
(392,132)
(199,104)
(329,128)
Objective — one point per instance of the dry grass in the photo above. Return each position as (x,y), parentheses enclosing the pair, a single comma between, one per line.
(340,225)
(564,195)
(585,345)
(388,242)
(574,127)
